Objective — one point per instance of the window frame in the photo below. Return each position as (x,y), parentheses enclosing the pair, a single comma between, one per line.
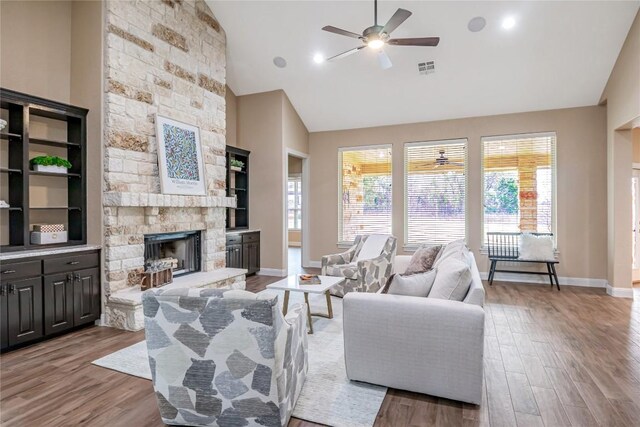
(554,181)
(340,242)
(297,178)
(405,176)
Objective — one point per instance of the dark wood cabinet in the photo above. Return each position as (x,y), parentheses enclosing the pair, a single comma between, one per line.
(58,311)
(59,295)
(24,310)
(243,251)
(86,296)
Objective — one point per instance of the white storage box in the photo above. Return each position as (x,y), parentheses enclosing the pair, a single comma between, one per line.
(40,238)
(50,169)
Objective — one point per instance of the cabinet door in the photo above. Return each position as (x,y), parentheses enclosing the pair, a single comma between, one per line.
(4,330)
(86,296)
(251,257)
(58,302)
(234,256)
(24,309)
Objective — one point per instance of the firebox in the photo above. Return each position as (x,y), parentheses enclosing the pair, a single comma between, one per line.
(181,251)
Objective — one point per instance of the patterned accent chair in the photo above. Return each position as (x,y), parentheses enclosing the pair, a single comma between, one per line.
(361,275)
(222,357)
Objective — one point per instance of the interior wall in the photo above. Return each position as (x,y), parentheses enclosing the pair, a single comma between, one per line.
(35,41)
(260,131)
(622,98)
(231,117)
(636,145)
(581,179)
(294,133)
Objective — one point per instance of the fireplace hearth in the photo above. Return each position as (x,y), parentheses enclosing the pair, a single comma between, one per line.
(181,251)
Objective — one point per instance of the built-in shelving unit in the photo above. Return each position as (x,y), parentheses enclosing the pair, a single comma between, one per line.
(22,139)
(238,187)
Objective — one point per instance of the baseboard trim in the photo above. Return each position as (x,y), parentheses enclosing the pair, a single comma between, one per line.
(539,279)
(315,264)
(619,292)
(272,272)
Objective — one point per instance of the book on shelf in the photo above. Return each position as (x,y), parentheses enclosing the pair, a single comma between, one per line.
(309,279)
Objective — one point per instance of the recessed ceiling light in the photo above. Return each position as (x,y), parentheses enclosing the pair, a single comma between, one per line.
(318,58)
(476,24)
(509,22)
(279,62)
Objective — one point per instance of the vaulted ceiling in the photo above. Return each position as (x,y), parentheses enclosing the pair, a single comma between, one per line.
(558,55)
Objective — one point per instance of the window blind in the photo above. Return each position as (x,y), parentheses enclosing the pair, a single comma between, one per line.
(519,176)
(435,191)
(365,191)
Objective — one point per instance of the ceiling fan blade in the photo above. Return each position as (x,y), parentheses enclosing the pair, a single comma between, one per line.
(422,41)
(341,32)
(383,60)
(394,22)
(347,53)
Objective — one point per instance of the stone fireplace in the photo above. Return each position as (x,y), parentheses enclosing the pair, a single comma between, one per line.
(161,58)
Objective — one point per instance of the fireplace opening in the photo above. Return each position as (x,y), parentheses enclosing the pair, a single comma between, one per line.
(181,251)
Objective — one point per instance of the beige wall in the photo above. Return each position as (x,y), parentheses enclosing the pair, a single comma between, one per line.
(295,237)
(35,41)
(294,133)
(295,165)
(260,131)
(231,116)
(622,98)
(636,145)
(53,49)
(581,154)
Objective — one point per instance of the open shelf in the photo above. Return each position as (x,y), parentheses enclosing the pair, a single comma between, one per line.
(68,208)
(12,209)
(10,136)
(68,175)
(10,170)
(53,143)
(238,187)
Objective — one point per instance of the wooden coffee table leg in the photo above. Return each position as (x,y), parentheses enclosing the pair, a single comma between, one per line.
(306,300)
(285,303)
(329,306)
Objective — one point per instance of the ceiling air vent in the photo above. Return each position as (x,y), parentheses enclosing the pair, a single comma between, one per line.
(427,67)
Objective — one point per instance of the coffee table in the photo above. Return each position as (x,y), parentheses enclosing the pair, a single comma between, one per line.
(290,284)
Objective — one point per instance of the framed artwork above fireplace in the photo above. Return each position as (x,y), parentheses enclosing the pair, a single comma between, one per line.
(180,158)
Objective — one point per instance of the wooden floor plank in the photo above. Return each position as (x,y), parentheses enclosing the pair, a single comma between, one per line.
(573,357)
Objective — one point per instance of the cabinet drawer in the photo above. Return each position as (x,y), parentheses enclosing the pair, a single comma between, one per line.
(72,262)
(250,237)
(17,270)
(234,239)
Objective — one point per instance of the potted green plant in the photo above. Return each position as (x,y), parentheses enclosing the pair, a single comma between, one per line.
(236,165)
(52,164)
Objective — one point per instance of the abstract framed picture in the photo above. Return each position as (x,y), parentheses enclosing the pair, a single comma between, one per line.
(180,158)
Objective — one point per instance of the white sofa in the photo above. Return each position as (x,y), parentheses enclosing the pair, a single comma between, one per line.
(425,345)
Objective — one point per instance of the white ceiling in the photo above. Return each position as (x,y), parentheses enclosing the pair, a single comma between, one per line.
(559,55)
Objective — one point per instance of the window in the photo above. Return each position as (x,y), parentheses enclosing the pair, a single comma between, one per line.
(364,204)
(519,175)
(294,203)
(435,191)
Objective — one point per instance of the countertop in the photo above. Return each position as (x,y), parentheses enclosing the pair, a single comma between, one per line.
(46,251)
(254,230)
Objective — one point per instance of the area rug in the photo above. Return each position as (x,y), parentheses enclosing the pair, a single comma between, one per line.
(327,397)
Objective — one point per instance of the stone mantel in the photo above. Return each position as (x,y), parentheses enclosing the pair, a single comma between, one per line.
(127,199)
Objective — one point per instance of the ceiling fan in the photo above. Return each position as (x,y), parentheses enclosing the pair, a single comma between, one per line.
(377,36)
(444,161)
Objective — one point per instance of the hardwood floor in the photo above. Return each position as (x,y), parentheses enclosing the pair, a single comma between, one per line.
(551,358)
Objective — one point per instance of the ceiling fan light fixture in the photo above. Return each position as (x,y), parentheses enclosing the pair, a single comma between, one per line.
(318,58)
(375,43)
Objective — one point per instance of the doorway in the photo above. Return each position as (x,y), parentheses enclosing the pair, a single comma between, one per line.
(635,206)
(295,211)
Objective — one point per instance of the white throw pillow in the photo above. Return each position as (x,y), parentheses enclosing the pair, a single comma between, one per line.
(457,249)
(372,247)
(452,281)
(535,248)
(416,285)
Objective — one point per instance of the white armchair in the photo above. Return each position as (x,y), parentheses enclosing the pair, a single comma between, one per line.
(224,357)
(366,266)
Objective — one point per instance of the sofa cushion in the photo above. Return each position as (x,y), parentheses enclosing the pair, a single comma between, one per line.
(456,249)
(422,259)
(415,285)
(535,248)
(452,281)
(372,246)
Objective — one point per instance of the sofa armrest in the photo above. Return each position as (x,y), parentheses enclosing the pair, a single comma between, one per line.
(419,344)
(338,259)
